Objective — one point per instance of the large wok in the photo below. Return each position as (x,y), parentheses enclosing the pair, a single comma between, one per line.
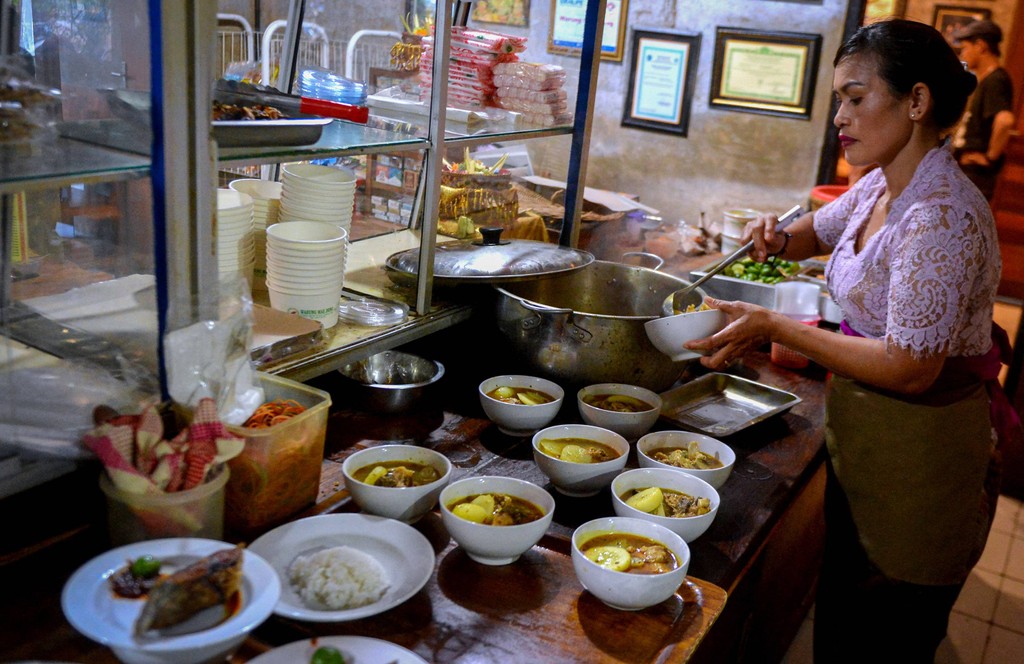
(587,326)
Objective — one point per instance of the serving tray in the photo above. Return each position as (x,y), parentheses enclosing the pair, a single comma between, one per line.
(533,610)
(719,404)
(255,133)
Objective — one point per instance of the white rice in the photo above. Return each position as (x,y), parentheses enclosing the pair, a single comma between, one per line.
(338,578)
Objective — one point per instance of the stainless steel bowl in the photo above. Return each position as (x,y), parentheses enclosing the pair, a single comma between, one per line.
(391,381)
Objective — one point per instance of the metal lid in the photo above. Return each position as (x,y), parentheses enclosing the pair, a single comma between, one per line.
(492,260)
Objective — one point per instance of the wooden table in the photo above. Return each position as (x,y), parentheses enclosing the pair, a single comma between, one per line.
(533,610)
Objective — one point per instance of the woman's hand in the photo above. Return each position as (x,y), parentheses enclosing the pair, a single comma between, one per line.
(748,327)
(766,241)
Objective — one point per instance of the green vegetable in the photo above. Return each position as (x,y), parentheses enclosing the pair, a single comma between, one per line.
(327,655)
(145,567)
(771,271)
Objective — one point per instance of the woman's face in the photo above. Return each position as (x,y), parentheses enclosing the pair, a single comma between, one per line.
(874,124)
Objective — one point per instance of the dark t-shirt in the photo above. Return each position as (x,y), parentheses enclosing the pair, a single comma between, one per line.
(994,94)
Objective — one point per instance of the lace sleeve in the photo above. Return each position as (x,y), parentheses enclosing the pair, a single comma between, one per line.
(832,218)
(935,270)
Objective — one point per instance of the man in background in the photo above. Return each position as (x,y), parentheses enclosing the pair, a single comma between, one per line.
(989,119)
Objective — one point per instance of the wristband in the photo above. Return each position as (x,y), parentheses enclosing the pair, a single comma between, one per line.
(785,243)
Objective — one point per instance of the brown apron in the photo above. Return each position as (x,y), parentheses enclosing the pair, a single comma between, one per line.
(914,472)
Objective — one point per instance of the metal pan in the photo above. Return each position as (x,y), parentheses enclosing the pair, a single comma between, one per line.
(719,404)
(255,133)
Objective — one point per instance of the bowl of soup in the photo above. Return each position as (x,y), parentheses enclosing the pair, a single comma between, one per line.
(629,564)
(520,405)
(496,519)
(696,454)
(684,504)
(400,482)
(579,459)
(628,410)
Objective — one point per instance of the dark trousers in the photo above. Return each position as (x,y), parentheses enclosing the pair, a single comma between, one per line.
(861,615)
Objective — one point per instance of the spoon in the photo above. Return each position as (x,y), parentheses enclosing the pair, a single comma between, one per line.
(785,220)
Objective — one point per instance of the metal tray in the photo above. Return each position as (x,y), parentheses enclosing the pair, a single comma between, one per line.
(719,404)
(255,133)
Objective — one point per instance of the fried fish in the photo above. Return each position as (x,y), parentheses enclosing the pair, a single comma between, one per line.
(177,597)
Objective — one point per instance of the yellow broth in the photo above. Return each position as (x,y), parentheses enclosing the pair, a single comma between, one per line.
(629,553)
(397,474)
(691,457)
(495,509)
(621,403)
(577,450)
(524,396)
(666,502)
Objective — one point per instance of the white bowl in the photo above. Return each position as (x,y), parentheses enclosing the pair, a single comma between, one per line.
(622,590)
(94,611)
(303,234)
(520,419)
(580,479)
(229,200)
(317,174)
(630,425)
(496,545)
(688,527)
(259,190)
(716,477)
(406,504)
(669,333)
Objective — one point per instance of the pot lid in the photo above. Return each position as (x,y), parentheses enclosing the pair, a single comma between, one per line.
(493,260)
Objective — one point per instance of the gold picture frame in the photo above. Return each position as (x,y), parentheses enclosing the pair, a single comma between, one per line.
(565,32)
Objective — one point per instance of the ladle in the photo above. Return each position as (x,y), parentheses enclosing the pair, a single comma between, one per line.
(785,220)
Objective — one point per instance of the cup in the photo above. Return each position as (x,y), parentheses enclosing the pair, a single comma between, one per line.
(197,512)
(799,301)
(735,221)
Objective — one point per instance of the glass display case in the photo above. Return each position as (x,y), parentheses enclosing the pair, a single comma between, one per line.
(108,227)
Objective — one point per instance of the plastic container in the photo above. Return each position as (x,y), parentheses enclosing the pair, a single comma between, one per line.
(278,472)
(735,221)
(826,193)
(799,301)
(134,517)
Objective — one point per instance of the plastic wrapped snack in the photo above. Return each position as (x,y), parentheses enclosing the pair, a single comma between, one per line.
(28,111)
(535,96)
(529,75)
(523,106)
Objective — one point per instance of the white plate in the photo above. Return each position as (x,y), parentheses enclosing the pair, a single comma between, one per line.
(403,551)
(92,609)
(357,649)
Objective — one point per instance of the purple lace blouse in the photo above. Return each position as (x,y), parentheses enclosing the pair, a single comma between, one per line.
(926,281)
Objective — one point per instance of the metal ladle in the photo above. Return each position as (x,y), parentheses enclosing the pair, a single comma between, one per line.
(680,295)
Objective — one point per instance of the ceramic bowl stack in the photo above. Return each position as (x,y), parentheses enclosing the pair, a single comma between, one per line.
(236,248)
(266,204)
(310,192)
(306,268)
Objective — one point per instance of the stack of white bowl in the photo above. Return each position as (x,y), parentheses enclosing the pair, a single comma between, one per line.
(311,192)
(266,205)
(236,249)
(306,268)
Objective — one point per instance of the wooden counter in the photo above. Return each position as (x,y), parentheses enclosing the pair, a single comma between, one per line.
(761,551)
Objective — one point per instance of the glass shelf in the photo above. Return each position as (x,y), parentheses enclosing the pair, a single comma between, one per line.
(38,166)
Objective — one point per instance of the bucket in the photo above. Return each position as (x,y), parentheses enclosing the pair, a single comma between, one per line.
(826,193)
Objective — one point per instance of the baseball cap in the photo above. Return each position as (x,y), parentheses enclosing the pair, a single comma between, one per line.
(985,30)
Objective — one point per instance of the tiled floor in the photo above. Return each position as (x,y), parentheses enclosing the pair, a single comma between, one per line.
(987,624)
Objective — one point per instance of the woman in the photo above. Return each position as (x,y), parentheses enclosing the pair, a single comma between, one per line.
(914,267)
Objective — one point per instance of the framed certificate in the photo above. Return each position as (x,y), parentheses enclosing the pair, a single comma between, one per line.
(565,33)
(661,81)
(765,72)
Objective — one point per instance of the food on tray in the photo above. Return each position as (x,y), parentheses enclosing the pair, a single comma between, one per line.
(622,403)
(274,412)
(222,112)
(771,271)
(691,457)
(525,396)
(577,450)
(630,553)
(338,578)
(136,578)
(215,579)
(666,502)
(496,509)
(398,474)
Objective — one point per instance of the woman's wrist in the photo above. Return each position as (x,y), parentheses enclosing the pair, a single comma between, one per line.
(785,243)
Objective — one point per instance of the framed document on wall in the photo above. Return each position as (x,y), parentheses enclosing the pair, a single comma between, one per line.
(565,34)
(765,72)
(661,81)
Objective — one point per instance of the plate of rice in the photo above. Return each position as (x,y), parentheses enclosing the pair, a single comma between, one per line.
(338,567)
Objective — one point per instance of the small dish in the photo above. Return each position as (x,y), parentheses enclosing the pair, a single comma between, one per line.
(669,333)
(716,477)
(630,424)
(517,419)
(580,479)
(353,648)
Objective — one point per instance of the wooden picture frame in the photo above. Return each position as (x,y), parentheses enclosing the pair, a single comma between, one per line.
(947,19)
(772,73)
(565,32)
(504,12)
(661,81)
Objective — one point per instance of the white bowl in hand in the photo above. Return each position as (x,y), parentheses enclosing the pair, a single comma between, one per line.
(669,333)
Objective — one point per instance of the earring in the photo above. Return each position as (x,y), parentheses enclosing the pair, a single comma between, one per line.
(913,116)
